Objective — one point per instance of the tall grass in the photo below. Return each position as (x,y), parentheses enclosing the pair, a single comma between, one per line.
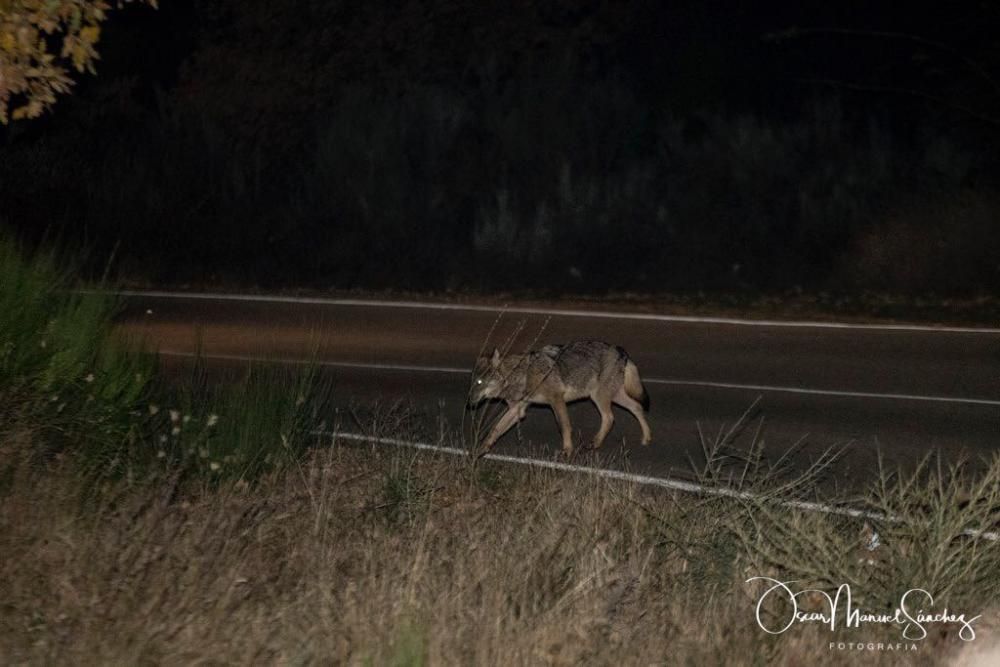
(70,387)
(62,376)
(368,555)
(242,427)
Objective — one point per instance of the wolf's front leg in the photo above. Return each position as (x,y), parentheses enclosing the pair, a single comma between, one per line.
(515,412)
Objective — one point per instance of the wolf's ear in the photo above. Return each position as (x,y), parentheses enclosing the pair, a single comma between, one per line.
(495,360)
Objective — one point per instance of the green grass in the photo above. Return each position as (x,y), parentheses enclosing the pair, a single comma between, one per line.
(239,429)
(71,387)
(62,375)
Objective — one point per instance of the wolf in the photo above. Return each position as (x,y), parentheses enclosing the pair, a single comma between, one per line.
(556,375)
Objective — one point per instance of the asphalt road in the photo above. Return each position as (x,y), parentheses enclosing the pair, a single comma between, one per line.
(901,391)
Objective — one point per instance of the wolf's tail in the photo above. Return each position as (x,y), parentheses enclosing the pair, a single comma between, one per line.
(633,385)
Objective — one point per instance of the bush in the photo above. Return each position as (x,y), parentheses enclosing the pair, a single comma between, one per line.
(62,376)
(69,386)
(242,427)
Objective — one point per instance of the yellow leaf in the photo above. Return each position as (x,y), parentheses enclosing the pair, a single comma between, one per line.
(90,34)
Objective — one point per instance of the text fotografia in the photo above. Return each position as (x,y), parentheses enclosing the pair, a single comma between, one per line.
(872,646)
(914,613)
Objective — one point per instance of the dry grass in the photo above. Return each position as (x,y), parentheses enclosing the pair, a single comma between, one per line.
(368,555)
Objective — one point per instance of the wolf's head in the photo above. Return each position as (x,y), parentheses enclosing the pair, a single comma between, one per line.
(487,379)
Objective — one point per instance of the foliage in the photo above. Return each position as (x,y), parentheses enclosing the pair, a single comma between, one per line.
(73,388)
(62,377)
(242,427)
(40,41)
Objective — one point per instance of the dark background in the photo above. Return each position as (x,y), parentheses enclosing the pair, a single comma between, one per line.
(563,146)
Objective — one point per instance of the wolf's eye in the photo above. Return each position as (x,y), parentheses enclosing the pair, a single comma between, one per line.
(479,381)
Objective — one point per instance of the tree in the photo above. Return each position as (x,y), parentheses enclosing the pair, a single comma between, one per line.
(951,65)
(40,41)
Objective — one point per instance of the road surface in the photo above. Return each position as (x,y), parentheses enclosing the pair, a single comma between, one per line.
(903,391)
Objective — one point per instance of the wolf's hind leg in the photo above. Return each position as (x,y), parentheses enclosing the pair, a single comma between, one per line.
(603,404)
(635,407)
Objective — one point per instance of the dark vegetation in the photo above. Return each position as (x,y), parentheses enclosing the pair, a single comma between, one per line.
(563,146)
(70,389)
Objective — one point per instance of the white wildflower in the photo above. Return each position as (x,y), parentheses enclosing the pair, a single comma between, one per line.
(175,416)
(213,420)
(214,466)
(89,378)
(175,431)
(153,409)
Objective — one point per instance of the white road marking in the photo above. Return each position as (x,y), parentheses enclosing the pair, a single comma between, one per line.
(664,381)
(555,312)
(646,480)
(827,392)
(317,362)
